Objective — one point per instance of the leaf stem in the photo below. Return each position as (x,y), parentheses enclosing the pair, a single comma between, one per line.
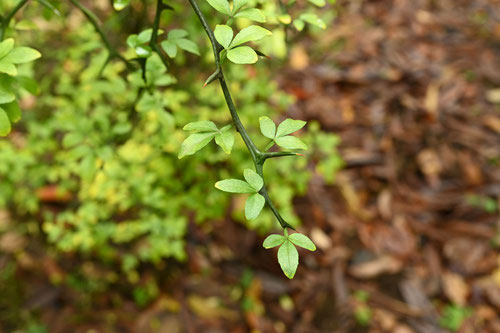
(92,18)
(6,20)
(153,43)
(258,157)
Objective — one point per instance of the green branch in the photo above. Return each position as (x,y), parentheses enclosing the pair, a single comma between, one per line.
(258,157)
(92,18)
(6,20)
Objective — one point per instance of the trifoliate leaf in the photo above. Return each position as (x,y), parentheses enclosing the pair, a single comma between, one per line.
(234,186)
(251,14)
(242,55)
(253,179)
(220,6)
(267,127)
(202,126)
(225,140)
(273,241)
(223,34)
(289,126)
(288,257)
(302,241)
(254,206)
(252,33)
(290,142)
(195,142)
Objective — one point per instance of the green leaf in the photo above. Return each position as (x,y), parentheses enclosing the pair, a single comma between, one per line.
(169,47)
(6,94)
(143,51)
(177,33)
(289,126)
(238,4)
(13,111)
(225,140)
(120,4)
(273,241)
(28,83)
(226,128)
(21,55)
(144,36)
(290,142)
(72,139)
(288,257)
(6,46)
(8,68)
(254,206)
(223,34)
(234,186)
(242,55)
(202,126)
(253,179)
(319,3)
(4,123)
(221,6)
(187,45)
(299,24)
(251,14)
(195,142)
(302,241)
(313,19)
(132,41)
(267,127)
(252,33)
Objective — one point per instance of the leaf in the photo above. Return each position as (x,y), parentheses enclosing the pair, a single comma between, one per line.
(251,14)
(234,186)
(72,139)
(28,83)
(8,68)
(267,127)
(132,41)
(169,47)
(299,24)
(6,94)
(313,19)
(120,4)
(254,206)
(273,241)
(319,3)
(223,34)
(4,123)
(290,142)
(289,126)
(288,257)
(221,6)
(238,4)
(225,140)
(195,142)
(226,128)
(6,46)
(253,179)
(13,111)
(144,36)
(202,126)
(21,55)
(143,51)
(177,33)
(302,241)
(252,33)
(187,45)
(242,55)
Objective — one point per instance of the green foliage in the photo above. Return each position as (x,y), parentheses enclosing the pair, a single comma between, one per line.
(176,39)
(280,136)
(453,316)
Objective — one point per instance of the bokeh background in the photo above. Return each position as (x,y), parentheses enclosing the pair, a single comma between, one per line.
(103,229)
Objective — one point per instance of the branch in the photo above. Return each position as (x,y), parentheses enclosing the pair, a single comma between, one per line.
(257,156)
(92,18)
(153,43)
(6,20)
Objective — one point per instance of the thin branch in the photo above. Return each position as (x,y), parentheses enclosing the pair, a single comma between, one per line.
(6,20)
(257,156)
(153,43)
(92,18)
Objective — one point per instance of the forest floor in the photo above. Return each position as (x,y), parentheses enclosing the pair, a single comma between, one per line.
(408,237)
